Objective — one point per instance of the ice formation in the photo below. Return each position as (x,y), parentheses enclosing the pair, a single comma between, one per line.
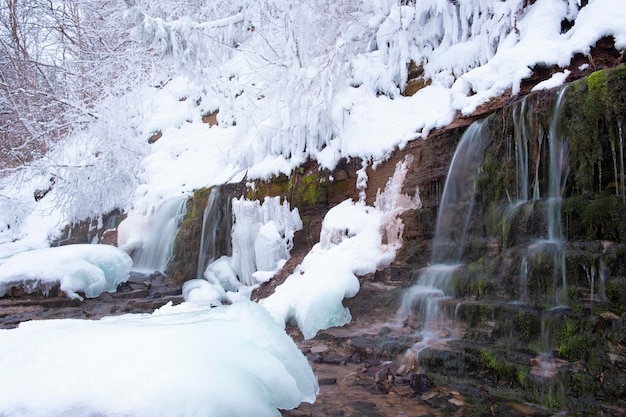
(88,269)
(262,239)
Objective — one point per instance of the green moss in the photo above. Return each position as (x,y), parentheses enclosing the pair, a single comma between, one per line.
(594,107)
(571,342)
(300,188)
(527,325)
(595,217)
(598,92)
(499,368)
(522,375)
(491,362)
(553,397)
(309,189)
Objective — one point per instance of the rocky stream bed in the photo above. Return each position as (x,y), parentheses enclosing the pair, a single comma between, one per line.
(365,369)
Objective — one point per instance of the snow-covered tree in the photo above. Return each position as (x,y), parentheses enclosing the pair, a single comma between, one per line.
(57,59)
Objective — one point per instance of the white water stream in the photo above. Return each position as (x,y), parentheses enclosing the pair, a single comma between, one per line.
(434,282)
(157,245)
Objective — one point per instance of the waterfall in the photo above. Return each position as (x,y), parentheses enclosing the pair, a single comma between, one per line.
(523,281)
(215,240)
(551,243)
(521,150)
(457,201)
(618,162)
(155,251)
(557,175)
(559,166)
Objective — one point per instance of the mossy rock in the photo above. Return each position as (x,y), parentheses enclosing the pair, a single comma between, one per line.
(309,189)
(184,263)
(595,217)
(616,294)
(594,108)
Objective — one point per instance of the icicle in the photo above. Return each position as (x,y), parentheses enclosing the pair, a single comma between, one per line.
(262,237)
(361,181)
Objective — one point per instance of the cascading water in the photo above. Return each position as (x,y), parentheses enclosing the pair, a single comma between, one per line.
(551,243)
(554,243)
(521,150)
(622,176)
(156,250)
(433,284)
(216,229)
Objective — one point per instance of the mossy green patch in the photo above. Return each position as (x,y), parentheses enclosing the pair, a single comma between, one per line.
(311,188)
(572,342)
(595,217)
(594,108)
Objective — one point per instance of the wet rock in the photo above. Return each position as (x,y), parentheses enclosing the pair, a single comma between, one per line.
(136,296)
(420,384)
(327,381)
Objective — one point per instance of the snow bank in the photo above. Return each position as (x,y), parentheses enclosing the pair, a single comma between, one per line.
(313,294)
(89,269)
(231,361)
(355,240)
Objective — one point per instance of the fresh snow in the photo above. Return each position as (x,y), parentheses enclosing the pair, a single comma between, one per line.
(227,361)
(291,80)
(355,240)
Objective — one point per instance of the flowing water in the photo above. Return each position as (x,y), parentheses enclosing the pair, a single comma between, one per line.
(557,175)
(521,135)
(434,282)
(156,250)
(551,243)
(216,229)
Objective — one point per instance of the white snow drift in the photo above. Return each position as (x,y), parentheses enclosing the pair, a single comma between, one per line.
(225,362)
(88,269)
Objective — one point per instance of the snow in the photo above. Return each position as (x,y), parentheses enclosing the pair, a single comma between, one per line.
(88,269)
(292,81)
(556,80)
(227,361)
(351,245)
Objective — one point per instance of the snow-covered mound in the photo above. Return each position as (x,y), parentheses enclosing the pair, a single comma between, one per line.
(89,269)
(356,239)
(231,361)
